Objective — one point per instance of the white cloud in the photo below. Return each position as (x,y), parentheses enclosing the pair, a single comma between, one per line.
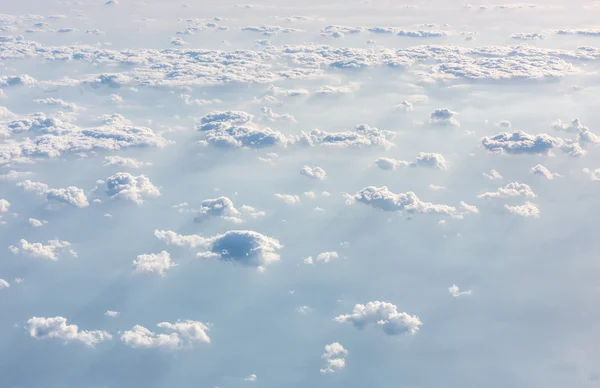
(123,185)
(250,378)
(4,206)
(157,263)
(57,328)
(382,198)
(309,260)
(527,210)
(310,194)
(270,30)
(422,34)
(384,315)
(594,174)
(444,117)
(288,198)
(331,90)
(37,223)
(111,314)
(513,189)
(57,102)
(528,36)
(406,106)
(492,175)
(314,172)
(456,292)
(363,136)
(120,161)
(179,334)
(303,309)
(466,208)
(71,195)
(580,31)
(543,172)
(268,114)
(335,357)
(218,207)
(437,188)
(4,284)
(50,251)
(520,142)
(189,241)
(326,257)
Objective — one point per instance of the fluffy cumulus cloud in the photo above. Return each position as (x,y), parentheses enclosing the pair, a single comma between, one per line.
(584,135)
(177,335)
(492,175)
(50,251)
(593,174)
(71,195)
(57,328)
(383,315)
(528,209)
(456,292)
(542,171)
(335,358)
(154,263)
(444,117)
(386,200)
(324,257)
(362,136)
(513,189)
(245,247)
(423,159)
(520,142)
(290,199)
(119,161)
(218,207)
(314,172)
(129,187)
(4,284)
(4,206)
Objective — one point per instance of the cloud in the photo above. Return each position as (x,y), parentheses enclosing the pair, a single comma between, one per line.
(382,198)
(584,135)
(17,80)
(4,206)
(57,102)
(406,106)
(528,36)
(363,136)
(527,210)
(4,284)
(250,378)
(329,90)
(129,187)
(335,357)
(594,174)
(492,175)
(324,257)
(270,30)
(520,142)
(218,207)
(384,315)
(303,309)
(543,172)
(269,115)
(57,328)
(314,172)
(235,129)
(444,117)
(288,198)
(119,161)
(580,31)
(179,334)
(37,223)
(111,314)
(456,292)
(421,33)
(423,159)
(50,251)
(189,241)
(336,31)
(513,189)
(151,263)
(71,195)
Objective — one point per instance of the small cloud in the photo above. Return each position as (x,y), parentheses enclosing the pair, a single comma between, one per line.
(444,117)
(513,189)
(50,251)
(37,223)
(314,172)
(4,284)
(288,198)
(405,106)
(303,309)
(157,263)
(180,334)
(492,175)
(57,328)
(436,187)
(384,315)
(456,292)
(111,314)
(250,378)
(527,210)
(594,174)
(543,172)
(335,357)
(119,161)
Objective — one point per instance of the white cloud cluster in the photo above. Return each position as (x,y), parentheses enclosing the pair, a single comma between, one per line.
(383,314)
(57,102)
(179,334)
(50,251)
(512,189)
(129,187)
(542,171)
(528,36)
(157,263)
(363,136)
(526,210)
(71,195)
(4,284)
(119,161)
(423,159)
(584,135)
(4,206)
(444,117)
(456,292)
(594,174)
(57,328)
(270,30)
(290,199)
(492,175)
(37,223)
(335,357)
(520,142)
(384,199)
(324,257)
(314,172)
(422,33)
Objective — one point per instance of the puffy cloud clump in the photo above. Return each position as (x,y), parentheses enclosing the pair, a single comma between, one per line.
(528,36)
(513,189)
(235,129)
(57,102)
(543,172)
(422,33)
(492,175)
(323,257)
(49,251)
(363,136)
(289,199)
(57,328)
(584,135)
(71,195)
(119,161)
(179,334)
(594,174)
(314,172)
(4,284)
(335,357)
(245,247)
(157,263)
(384,315)
(4,205)
(17,80)
(218,207)
(129,187)
(423,159)
(384,199)
(520,142)
(526,210)
(444,117)
(456,292)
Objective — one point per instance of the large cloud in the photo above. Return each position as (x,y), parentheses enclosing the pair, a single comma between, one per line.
(384,315)
(179,334)
(520,142)
(57,328)
(50,251)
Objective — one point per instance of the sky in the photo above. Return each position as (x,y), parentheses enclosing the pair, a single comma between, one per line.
(299,194)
